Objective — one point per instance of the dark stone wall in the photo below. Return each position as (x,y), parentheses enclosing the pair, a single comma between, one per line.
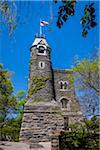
(35,59)
(69,93)
(39,122)
(47,92)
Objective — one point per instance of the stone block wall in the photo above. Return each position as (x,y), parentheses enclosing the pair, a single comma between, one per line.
(69,93)
(46,92)
(39,122)
(55,141)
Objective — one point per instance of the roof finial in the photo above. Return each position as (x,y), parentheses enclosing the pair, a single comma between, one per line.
(36,34)
(40,28)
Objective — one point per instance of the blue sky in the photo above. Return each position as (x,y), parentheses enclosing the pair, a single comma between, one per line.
(65,43)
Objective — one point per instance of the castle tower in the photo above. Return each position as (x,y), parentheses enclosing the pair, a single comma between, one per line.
(40,78)
(41,112)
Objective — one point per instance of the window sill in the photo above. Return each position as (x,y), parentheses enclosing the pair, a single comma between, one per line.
(63,90)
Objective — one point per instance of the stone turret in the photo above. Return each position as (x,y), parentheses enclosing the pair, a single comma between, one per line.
(40,78)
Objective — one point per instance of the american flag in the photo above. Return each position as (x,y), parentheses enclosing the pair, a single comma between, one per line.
(43,23)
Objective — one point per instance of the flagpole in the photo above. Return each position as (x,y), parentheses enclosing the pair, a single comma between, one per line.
(40,29)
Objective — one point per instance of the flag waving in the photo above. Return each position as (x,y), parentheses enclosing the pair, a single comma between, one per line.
(43,23)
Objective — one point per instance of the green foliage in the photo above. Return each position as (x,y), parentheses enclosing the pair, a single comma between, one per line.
(86,78)
(11,130)
(9,104)
(21,103)
(7,99)
(67,9)
(69,71)
(87,72)
(21,95)
(8,14)
(21,100)
(92,125)
(81,136)
(88,20)
(37,84)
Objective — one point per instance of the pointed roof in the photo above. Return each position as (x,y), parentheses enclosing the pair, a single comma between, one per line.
(40,40)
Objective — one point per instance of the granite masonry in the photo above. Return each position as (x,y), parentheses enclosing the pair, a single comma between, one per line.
(52,103)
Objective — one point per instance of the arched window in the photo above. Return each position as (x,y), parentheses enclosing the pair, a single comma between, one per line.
(63,85)
(64,102)
(41,65)
(41,49)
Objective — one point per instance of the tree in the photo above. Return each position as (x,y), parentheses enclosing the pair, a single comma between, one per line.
(13,126)
(86,78)
(87,73)
(7,98)
(67,10)
(21,98)
(11,107)
(81,136)
(8,14)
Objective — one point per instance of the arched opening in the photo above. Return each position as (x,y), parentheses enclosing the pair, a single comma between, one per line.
(64,103)
(41,49)
(65,85)
(61,85)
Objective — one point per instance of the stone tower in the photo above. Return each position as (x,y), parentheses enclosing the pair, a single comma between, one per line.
(42,113)
(40,78)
